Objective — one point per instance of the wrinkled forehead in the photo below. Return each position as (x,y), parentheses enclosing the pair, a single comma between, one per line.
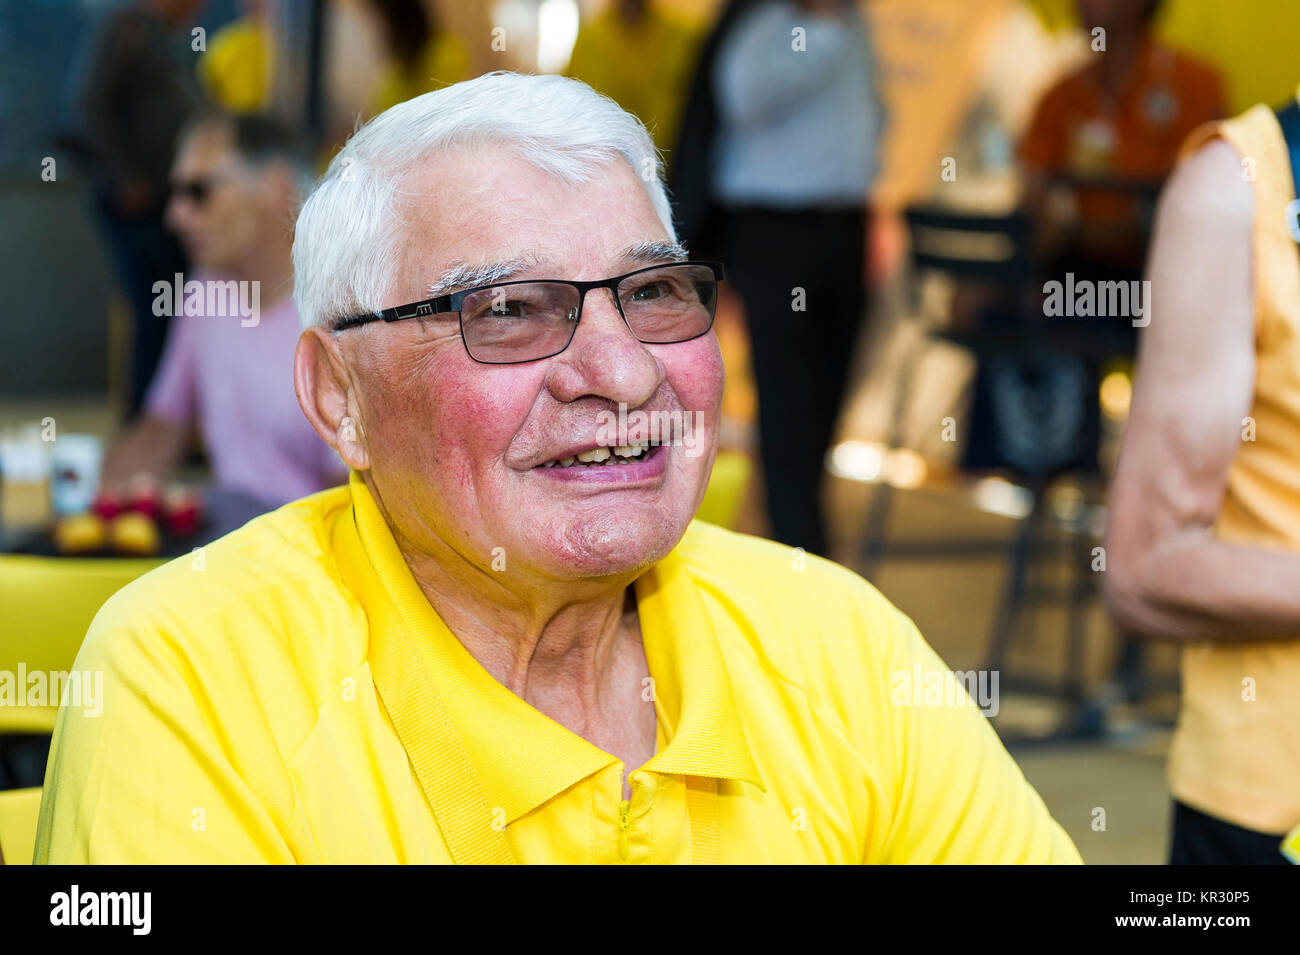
(486,214)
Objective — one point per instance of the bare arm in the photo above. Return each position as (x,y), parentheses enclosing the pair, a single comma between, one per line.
(153,445)
(1168,577)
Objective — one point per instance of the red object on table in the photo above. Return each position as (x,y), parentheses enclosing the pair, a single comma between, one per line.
(182,512)
(107,505)
(145,497)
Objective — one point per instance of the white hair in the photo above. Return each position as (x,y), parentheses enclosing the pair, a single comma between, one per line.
(348,236)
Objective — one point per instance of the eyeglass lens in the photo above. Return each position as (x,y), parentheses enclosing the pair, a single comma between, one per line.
(531,320)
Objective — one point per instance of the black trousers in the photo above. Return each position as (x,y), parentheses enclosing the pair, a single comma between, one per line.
(799,274)
(1200,839)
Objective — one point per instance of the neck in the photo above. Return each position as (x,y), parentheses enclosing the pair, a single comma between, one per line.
(542,639)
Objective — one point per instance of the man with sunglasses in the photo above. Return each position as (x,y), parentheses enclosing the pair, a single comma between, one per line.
(506,640)
(236,183)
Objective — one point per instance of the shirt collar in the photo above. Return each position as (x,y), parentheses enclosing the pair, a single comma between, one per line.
(503,735)
(693,697)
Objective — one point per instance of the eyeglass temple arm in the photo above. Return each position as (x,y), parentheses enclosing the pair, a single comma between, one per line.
(432,306)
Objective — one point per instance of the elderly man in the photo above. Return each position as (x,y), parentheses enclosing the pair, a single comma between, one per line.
(505,640)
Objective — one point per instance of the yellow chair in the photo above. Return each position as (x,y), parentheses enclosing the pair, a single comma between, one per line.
(48,605)
(1291,846)
(19,810)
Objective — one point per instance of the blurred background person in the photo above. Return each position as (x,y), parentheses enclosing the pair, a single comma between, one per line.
(133,91)
(1100,145)
(1104,138)
(421,55)
(1204,530)
(777,154)
(641,57)
(236,187)
(237,69)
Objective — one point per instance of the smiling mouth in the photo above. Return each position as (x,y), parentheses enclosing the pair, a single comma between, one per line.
(604,457)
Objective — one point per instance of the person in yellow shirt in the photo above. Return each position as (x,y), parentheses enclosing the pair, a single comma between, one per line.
(505,640)
(236,70)
(641,58)
(1204,536)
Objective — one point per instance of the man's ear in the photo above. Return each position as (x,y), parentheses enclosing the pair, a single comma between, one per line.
(320,377)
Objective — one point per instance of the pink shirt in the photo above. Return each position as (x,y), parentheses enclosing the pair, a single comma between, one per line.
(236,383)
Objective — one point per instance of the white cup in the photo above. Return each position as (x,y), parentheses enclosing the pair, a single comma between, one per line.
(74,472)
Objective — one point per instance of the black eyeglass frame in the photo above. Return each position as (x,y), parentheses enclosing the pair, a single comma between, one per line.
(198,189)
(452,302)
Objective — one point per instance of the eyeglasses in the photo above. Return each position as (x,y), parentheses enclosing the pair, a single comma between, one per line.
(198,190)
(513,322)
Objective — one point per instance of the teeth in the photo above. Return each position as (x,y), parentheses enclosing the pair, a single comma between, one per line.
(623,454)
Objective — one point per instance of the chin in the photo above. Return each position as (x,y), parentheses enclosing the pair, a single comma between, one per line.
(611,544)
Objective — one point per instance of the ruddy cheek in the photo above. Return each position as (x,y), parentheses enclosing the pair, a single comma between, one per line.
(476,414)
(696,374)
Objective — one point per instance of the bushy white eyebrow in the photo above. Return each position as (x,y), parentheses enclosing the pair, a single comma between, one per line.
(468,276)
(462,275)
(656,251)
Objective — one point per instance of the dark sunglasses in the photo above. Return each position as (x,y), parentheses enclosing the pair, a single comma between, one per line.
(198,190)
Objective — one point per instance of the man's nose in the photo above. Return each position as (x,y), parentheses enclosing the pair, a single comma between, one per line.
(179,212)
(605,359)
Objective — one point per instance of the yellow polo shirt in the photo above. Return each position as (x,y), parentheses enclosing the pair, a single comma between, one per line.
(257,694)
